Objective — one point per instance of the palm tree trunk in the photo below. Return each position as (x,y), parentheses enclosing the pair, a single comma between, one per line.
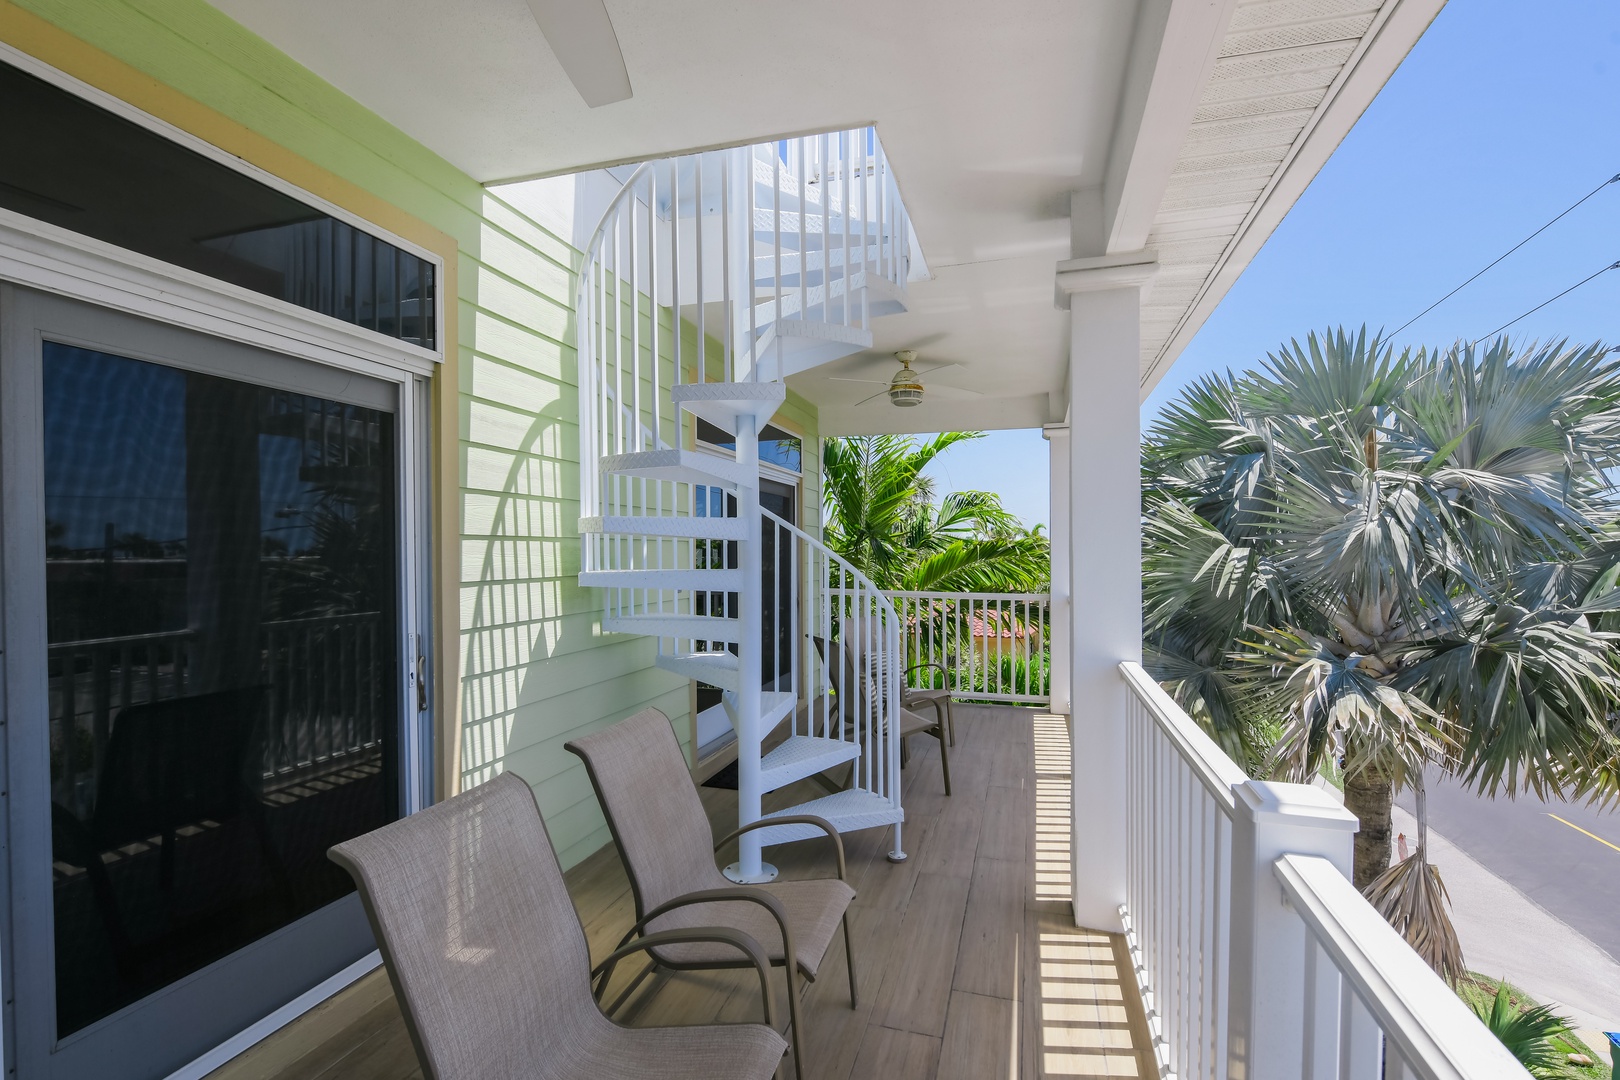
(1370,795)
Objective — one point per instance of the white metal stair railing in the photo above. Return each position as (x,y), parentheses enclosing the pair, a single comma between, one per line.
(832,248)
(711,278)
(836,652)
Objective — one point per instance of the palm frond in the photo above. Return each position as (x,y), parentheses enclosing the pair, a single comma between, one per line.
(1528,1034)
(1330,700)
(1530,701)
(1412,897)
(881,516)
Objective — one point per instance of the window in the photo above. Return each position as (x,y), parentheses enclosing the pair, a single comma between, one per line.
(776,447)
(76,165)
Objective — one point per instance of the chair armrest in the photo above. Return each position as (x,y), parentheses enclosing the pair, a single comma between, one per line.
(739,893)
(932,693)
(722,934)
(795,819)
(929,692)
(911,696)
(936,666)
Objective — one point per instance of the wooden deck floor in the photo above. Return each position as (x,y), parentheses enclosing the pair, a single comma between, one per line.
(970,967)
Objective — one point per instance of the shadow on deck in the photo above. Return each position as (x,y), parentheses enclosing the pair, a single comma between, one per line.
(970,965)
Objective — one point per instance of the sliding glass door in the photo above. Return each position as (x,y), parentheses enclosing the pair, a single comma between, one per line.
(205,678)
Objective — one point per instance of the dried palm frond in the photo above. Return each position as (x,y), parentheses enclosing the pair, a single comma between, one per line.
(1412,897)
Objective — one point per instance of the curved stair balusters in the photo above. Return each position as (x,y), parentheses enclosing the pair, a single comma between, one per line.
(711,279)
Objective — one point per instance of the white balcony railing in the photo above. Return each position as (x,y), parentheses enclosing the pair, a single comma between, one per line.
(1180,807)
(327,683)
(992,646)
(1255,956)
(1373,1008)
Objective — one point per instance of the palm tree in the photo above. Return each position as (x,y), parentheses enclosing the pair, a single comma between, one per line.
(1384,563)
(882,517)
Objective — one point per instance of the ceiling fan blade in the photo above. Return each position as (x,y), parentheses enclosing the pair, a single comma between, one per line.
(874,397)
(582,37)
(945,390)
(936,367)
(845,378)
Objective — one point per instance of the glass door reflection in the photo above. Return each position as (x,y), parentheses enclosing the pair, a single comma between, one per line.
(221,582)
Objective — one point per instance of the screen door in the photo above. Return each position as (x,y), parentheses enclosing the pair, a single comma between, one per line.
(204,654)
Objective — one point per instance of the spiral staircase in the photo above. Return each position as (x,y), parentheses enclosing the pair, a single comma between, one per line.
(711,279)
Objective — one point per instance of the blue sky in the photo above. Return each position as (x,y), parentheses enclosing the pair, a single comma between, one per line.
(1504,114)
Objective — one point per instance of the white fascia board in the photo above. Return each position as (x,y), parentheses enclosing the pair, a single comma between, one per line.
(1173,52)
(1399,25)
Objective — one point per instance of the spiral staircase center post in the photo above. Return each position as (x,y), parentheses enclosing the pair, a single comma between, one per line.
(750,789)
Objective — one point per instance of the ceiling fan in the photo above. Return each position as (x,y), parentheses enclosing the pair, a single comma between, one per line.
(905,389)
(582,36)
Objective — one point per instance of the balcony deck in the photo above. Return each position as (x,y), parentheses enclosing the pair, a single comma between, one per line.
(970,967)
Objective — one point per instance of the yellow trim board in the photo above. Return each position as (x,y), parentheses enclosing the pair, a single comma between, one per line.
(51,45)
(27,32)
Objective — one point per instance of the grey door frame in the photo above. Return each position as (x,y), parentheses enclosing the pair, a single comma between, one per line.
(239,990)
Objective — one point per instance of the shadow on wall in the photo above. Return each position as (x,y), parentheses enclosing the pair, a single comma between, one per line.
(536,669)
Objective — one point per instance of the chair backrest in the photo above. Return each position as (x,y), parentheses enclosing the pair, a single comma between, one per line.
(177,762)
(482,943)
(652,807)
(852,684)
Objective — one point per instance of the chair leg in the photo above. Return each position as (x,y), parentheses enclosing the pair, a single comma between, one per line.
(793,1020)
(849,957)
(945,759)
(950,721)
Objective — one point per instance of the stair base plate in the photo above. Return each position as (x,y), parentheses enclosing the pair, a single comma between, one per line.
(767,872)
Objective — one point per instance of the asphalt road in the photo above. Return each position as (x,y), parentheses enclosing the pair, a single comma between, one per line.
(1575,875)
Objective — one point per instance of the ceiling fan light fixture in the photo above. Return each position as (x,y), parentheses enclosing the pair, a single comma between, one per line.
(905,389)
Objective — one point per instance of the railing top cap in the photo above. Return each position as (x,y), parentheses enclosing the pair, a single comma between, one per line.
(1293,804)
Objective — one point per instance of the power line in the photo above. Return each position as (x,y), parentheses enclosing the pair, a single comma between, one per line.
(1613,179)
(1544,303)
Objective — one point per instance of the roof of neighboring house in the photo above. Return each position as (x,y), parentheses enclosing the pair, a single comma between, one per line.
(983,628)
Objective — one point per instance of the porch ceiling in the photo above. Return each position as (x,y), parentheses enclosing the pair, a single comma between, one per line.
(1196,123)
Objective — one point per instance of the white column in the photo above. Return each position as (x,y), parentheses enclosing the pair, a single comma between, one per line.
(1103,295)
(1266,990)
(1057,435)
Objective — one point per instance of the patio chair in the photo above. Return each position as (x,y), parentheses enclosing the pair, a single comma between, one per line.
(490,964)
(842,674)
(663,836)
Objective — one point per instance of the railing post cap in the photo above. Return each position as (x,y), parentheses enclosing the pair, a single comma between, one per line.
(1292,804)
